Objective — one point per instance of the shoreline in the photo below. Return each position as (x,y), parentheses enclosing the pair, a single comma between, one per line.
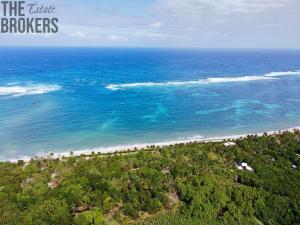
(141,146)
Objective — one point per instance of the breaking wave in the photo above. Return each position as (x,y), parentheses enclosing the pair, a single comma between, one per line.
(30,89)
(278,74)
(269,76)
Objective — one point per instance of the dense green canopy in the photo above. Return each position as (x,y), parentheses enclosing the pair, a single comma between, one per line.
(196,183)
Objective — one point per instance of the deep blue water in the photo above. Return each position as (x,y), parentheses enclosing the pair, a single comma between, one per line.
(62,99)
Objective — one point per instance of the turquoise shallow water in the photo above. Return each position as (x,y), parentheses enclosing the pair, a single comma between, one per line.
(63,99)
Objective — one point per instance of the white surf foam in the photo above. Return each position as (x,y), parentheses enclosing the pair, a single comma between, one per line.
(140,146)
(30,89)
(236,79)
(188,83)
(278,74)
(269,76)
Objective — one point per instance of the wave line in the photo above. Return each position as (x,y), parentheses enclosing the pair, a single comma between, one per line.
(32,89)
(212,80)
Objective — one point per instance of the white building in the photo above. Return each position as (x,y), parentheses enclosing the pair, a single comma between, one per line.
(245,166)
(249,168)
(229,144)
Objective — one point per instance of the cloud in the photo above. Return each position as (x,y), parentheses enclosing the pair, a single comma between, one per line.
(78,35)
(218,7)
(173,23)
(116,38)
(230,23)
(156,24)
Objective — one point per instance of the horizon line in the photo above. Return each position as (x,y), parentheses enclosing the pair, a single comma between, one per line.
(145,47)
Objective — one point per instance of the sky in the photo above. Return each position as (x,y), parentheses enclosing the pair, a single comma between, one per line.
(169,23)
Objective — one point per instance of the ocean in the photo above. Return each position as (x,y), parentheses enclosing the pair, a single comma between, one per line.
(69,99)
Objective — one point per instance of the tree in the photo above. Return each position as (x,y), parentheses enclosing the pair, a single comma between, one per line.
(51,211)
(92,217)
(130,211)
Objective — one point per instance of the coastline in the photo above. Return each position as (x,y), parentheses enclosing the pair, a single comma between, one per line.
(141,146)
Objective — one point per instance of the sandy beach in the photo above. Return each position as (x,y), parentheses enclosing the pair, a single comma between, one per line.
(140,146)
